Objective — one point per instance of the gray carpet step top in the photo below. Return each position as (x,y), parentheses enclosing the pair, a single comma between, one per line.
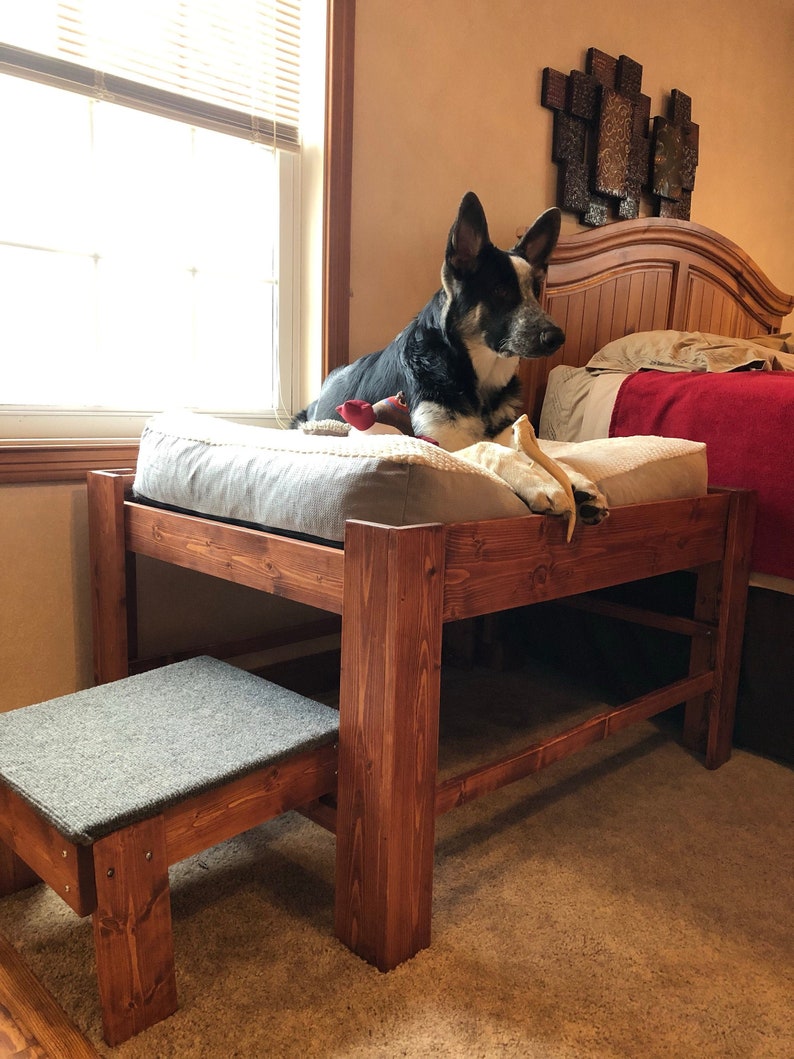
(101,759)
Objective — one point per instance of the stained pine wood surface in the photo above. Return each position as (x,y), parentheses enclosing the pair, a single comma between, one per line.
(32,1025)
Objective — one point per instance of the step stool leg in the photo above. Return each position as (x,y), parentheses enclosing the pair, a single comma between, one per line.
(132,930)
(14,873)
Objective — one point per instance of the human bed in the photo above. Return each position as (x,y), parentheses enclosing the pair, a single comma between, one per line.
(396,586)
(708,365)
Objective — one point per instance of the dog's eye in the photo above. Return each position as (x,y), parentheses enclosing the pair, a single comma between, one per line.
(501,292)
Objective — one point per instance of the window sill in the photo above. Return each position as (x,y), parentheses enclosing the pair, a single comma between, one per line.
(28,461)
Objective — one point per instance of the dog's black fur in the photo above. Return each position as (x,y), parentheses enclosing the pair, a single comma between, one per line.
(456,361)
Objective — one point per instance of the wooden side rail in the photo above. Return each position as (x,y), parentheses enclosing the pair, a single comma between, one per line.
(457,790)
(299,570)
(516,562)
(639,616)
(120,529)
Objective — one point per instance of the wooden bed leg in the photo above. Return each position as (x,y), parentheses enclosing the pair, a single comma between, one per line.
(132,930)
(722,599)
(110,574)
(391,672)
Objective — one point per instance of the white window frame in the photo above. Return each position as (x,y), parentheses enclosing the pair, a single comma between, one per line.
(300,291)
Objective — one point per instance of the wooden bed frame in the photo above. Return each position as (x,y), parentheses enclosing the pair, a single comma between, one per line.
(650,274)
(395,588)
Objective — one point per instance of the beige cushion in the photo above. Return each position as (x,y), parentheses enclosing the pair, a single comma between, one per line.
(310,484)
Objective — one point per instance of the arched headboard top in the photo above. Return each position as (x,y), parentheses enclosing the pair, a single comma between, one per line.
(650,274)
(657,239)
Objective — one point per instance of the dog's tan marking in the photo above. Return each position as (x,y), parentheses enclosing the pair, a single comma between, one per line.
(525,274)
(492,370)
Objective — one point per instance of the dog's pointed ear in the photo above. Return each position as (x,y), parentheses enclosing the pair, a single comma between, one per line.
(468,236)
(538,242)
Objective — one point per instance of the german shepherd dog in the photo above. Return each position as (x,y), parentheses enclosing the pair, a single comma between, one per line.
(456,361)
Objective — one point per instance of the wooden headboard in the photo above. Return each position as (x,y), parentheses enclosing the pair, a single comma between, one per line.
(644,275)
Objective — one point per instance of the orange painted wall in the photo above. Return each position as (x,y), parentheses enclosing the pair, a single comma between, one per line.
(447,98)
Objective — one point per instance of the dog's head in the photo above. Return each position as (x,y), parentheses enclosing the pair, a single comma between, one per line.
(492,293)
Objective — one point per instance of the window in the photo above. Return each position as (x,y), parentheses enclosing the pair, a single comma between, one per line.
(153,256)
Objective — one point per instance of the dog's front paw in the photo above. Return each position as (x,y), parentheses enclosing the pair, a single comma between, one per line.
(548,498)
(545,498)
(592,506)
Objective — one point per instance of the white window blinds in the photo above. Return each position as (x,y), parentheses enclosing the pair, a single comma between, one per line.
(230,65)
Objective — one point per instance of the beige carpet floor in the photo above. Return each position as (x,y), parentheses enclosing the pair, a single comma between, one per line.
(624,903)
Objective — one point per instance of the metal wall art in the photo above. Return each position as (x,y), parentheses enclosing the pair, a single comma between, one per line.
(606,150)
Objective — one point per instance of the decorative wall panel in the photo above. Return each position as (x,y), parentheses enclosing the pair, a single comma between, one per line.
(606,151)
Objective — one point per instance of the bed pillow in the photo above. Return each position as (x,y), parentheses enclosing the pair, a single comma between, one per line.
(681,351)
(782,347)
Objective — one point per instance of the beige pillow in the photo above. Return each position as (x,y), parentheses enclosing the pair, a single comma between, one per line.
(783,349)
(680,351)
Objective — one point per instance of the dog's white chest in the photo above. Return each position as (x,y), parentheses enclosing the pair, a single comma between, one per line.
(493,372)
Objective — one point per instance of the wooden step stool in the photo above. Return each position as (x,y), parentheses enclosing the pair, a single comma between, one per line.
(102,790)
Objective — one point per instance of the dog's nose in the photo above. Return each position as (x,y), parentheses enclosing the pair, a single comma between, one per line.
(551,339)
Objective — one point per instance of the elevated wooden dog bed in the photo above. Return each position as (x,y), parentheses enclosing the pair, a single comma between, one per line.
(395,586)
(102,790)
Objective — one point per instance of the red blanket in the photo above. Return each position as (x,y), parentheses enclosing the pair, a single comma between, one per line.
(747,421)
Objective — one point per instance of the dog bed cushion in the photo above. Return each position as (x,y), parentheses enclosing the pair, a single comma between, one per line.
(310,484)
(638,469)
